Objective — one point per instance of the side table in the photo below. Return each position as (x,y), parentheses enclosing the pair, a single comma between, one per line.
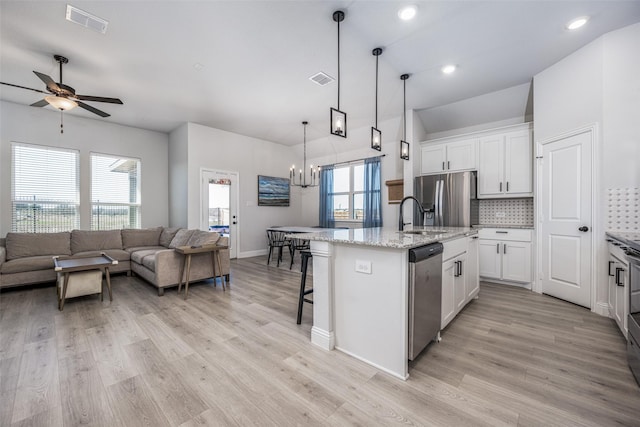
(68,267)
(187,251)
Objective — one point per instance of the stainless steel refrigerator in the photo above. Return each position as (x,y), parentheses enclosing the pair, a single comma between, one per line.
(448,199)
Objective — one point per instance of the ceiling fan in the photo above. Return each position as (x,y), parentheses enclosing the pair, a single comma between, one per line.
(64,97)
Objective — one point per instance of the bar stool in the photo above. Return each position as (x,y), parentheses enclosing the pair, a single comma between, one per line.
(304,255)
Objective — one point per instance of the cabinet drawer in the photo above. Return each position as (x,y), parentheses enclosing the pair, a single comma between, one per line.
(507,234)
(454,248)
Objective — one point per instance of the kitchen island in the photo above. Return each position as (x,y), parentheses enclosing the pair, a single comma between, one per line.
(360,289)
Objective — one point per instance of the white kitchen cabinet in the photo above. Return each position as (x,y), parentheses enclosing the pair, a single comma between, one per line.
(472,282)
(460,281)
(454,156)
(618,273)
(505,254)
(505,165)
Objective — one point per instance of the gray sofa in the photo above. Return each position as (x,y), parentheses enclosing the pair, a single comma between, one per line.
(26,258)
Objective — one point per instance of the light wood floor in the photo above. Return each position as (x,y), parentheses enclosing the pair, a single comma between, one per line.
(238,358)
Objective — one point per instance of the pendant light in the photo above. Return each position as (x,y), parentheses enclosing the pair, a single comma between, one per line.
(338,118)
(404,145)
(376,135)
(302,180)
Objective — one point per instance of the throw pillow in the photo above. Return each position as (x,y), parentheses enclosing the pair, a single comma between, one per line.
(181,238)
(201,238)
(167,235)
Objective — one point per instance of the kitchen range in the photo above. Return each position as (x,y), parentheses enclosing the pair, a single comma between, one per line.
(625,279)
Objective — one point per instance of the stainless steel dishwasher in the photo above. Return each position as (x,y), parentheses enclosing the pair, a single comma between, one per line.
(425,293)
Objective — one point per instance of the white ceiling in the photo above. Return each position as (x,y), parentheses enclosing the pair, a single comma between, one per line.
(258,56)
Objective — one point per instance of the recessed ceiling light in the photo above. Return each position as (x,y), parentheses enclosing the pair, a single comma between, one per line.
(448,69)
(408,12)
(577,23)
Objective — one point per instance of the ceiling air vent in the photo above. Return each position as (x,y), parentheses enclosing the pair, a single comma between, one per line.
(86,19)
(321,78)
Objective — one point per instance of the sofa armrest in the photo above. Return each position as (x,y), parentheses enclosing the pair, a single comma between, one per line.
(3,254)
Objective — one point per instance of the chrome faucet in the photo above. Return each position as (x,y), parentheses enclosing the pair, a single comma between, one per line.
(401,222)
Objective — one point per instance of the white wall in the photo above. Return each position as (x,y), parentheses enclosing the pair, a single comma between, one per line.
(178,166)
(21,123)
(216,149)
(599,83)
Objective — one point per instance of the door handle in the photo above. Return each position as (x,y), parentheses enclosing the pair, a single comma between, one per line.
(234,222)
(610,263)
(618,281)
(584,229)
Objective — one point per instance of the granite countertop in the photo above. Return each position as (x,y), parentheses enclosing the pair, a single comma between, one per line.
(389,237)
(523,227)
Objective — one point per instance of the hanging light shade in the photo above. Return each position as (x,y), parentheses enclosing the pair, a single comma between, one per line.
(376,135)
(404,145)
(60,102)
(302,174)
(338,119)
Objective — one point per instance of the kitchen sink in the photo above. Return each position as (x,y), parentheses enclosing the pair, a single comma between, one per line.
(422,232)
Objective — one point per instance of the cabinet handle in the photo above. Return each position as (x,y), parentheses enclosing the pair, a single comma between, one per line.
(610,264)
(442,165)
(504,248)
(448,164)
(500,186)
(459,268)
(497,248)
(502,232)
(618,281)
(455,271)
(507,185)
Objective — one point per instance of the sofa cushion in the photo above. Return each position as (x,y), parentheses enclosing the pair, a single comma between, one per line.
(21,245)
(117,254)
(141,237)
(150,262)
(33,263)
(95,240)
(140,254)
(201,238)
(167,235)
(144,248)
(181,238)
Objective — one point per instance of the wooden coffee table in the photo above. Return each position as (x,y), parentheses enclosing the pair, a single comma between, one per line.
(187,251)
(73,265)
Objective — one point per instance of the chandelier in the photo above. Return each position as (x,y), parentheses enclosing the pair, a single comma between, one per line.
(302,174)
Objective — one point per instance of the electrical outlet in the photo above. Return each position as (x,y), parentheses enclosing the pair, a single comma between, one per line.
(363,266)
(500,214)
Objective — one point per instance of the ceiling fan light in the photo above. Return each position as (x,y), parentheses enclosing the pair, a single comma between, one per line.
(448,69)
(61,103)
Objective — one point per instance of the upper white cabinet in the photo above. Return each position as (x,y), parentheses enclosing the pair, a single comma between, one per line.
(454,156)
(505,164)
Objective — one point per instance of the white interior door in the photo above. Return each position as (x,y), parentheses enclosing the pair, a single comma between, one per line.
(219,201)
(565,211)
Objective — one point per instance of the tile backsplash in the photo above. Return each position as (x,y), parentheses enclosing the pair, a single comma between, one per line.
(506,211)
(623,213)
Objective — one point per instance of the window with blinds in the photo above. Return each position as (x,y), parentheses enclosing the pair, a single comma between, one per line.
(44,189)
(115,192)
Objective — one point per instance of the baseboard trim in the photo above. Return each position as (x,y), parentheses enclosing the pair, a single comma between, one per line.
(250,254)
(323,339)
(602,308)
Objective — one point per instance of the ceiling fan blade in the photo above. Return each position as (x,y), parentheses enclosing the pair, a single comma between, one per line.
(92,109)
(41,103)
(98,99)
(22,87)
(53,86)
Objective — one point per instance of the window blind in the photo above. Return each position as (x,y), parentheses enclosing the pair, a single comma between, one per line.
(115,192)
(44,189)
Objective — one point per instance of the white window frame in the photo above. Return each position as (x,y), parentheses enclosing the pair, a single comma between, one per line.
(137,205)
(75,222)
(351,193)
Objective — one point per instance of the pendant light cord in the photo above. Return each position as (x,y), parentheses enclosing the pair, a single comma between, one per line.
(338,64)
(404,111)
(304,156)
(377,91)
